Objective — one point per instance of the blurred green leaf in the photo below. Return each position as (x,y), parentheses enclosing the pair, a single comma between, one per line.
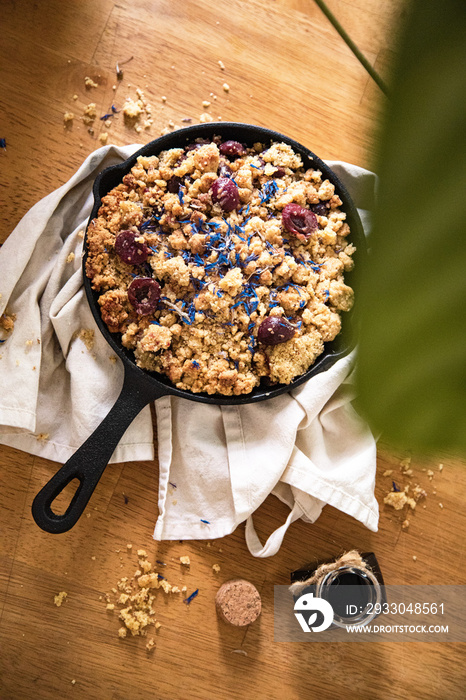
(412,353)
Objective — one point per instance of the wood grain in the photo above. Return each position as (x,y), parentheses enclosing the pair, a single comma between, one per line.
(302,80)
(288,69)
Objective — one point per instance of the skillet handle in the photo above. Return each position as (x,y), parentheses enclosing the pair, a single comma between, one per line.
(89,461)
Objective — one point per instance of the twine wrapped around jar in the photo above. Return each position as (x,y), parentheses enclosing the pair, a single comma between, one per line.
(352,558)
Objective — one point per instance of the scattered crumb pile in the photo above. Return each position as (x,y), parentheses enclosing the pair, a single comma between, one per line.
(136,110)
(410,494)
(135,598)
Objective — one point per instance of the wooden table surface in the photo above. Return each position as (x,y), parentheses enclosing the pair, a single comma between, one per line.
(288,69)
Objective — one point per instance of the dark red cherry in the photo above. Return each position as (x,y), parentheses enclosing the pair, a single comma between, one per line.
(144,294)
(299,221)
(232,149)
(321,209)
(275,330)
(173,184)
(129,249)
(225,193)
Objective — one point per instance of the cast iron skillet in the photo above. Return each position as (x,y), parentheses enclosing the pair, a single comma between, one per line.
(140,387)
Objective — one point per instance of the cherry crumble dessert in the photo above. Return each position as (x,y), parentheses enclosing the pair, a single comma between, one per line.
(221,264)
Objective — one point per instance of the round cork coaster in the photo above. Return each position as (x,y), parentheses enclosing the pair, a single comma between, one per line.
(238,602)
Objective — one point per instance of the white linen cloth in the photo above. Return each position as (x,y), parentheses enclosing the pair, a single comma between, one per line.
(217,464)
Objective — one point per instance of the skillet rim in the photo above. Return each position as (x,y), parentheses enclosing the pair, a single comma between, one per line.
(159,384)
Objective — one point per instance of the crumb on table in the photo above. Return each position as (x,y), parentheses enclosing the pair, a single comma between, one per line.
(90,113)
(132,109)
(205,117)
(137,112)
(398,499)
(60,598)
(419,492)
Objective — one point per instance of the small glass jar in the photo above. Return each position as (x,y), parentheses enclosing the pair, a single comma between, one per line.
(356,593)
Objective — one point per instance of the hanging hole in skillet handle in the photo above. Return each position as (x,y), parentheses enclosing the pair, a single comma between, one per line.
(89,461)
(62,502)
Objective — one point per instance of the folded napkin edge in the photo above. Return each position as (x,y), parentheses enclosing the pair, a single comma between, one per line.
(56,452)
(17,418)
(335,496)
(198,530)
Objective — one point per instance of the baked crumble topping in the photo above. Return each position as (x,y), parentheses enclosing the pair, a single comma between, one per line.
(221,265)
